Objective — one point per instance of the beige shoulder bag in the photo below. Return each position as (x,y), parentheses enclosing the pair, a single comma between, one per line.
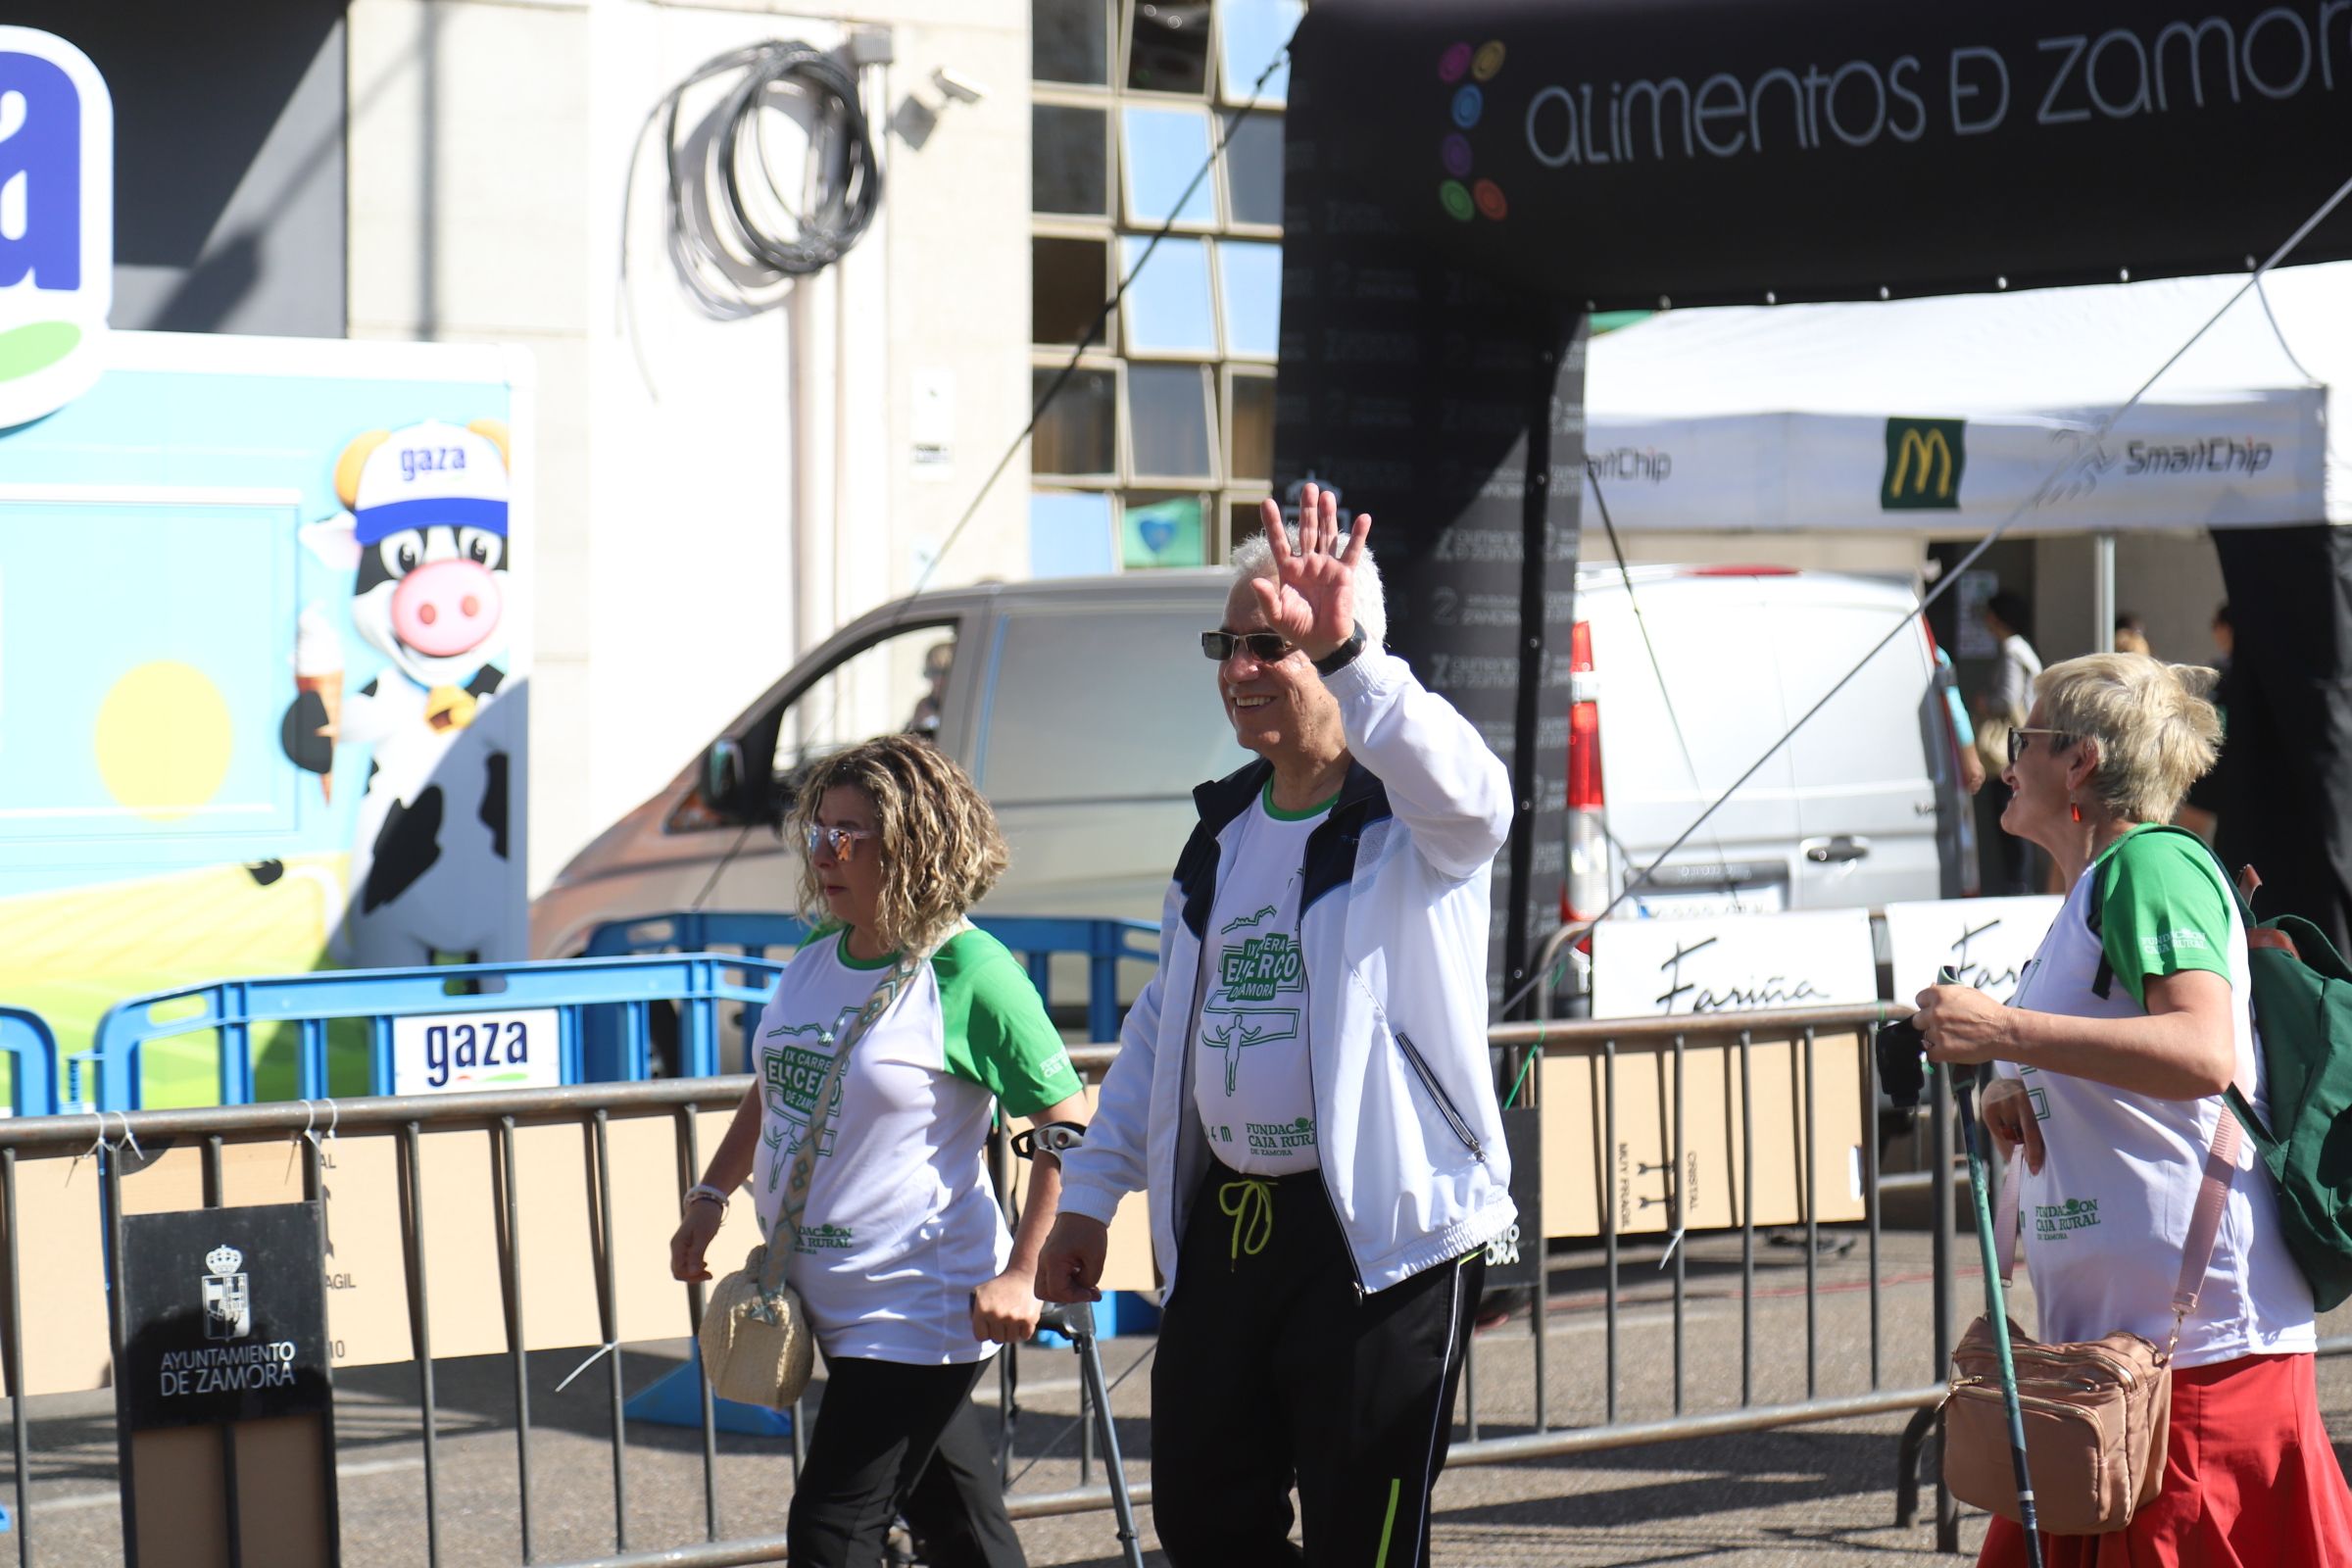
(2096,1412)
(755,1337)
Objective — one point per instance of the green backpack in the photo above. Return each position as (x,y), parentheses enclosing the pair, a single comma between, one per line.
(2303,1027)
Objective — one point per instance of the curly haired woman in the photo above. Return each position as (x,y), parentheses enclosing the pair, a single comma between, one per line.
(903,1259)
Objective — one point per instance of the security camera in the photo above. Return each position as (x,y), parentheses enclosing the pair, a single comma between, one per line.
(962,89)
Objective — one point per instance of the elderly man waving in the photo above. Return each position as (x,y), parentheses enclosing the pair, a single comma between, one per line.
(1302,1085)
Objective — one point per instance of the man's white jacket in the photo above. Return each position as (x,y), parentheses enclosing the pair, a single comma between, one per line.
(1393,928)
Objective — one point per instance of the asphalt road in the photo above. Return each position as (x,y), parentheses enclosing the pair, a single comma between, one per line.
(1821,1494)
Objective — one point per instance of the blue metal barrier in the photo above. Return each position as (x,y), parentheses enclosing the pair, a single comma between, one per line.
(1036,939)
(601,1007)
(32,1056)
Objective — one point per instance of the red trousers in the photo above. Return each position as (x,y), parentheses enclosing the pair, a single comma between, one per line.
(2250,1481)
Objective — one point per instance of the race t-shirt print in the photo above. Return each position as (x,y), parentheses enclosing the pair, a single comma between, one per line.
(1252,1085)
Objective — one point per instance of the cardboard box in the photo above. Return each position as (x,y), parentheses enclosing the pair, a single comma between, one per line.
(1635,1174)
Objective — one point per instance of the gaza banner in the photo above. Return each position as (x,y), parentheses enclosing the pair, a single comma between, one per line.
(264,655)
(2254,460)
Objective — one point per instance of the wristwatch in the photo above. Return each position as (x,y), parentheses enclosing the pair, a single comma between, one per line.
(1343,656)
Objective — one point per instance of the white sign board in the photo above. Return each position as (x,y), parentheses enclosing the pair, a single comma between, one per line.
(1987,940)
(450,1051)
(1733,963)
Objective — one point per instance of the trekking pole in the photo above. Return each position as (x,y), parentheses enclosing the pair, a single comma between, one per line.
(1076,1321)
(1996,1312)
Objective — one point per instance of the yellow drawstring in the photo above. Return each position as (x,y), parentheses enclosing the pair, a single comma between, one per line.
(1251,1202)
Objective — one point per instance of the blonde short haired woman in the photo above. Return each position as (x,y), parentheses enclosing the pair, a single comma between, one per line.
(2111,1061)
(903,1257)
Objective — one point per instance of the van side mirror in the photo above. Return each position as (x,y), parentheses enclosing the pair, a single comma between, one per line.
(722,775)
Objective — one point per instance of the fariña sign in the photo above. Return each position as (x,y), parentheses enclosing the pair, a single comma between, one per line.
(1722,150)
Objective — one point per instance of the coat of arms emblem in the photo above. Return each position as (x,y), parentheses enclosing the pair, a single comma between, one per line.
(228,1295)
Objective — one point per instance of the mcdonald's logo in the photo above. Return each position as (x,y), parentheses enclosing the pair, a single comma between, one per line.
(1925,459)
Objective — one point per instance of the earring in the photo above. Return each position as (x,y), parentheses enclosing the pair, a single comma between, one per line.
(2074,809)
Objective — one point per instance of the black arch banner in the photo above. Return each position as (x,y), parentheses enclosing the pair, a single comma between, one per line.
(1622,152)
(1465,179)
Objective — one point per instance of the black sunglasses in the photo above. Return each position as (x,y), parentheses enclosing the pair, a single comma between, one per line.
(1266,646)
(2017,740)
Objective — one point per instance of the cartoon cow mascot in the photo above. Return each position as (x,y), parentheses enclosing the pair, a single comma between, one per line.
(425,538)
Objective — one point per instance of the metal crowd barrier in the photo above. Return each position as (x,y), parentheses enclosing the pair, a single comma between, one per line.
(1516,1404)
(32,1050)
(602,1009)
(1038,940)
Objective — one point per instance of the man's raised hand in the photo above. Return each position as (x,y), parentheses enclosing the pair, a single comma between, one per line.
(1311,598)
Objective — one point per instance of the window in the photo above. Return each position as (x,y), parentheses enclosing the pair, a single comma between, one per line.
(1255,31)
(1170,409)
(1168,46)
(1249,281)
(1078,431)
(1253,169)
(1165,149)
(1069,40)
(1153,113)
(1168,304)
(1070,534)
(1146,664)
(1069,161)
(1068,282)
(1250,437)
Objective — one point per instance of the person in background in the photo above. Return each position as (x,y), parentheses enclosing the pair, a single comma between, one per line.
(1302,1087)
(2111,1065)
(2000,710)
(1963,732)
(2130,636)
(902,1258)
(2201,812)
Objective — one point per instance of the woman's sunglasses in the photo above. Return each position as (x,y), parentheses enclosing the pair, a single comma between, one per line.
(2017,740)
(839,840)
(1266,646)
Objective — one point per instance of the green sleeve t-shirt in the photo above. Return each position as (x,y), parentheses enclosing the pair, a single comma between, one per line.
(2163,910)
(993,1027)
(901,1223)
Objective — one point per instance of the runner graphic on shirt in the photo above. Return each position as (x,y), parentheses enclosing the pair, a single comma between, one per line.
(1252,973)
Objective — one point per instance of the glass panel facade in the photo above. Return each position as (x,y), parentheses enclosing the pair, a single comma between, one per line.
(1068,282)
(1167,304)
(1257,35)
(1251,279)
(1165,149)
(1069,162)
(1078,434)
(1167,47)
(1254,168)
(1069,40)
(1167,419)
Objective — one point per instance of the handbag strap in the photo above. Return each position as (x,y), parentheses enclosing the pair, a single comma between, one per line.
(2204,1221)
(800,1174)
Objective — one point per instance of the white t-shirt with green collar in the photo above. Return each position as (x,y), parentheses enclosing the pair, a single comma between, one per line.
(902,1223)
(1253,1088)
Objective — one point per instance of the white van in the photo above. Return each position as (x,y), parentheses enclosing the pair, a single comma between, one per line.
(1084,710)
(1674,704)
(1082,706)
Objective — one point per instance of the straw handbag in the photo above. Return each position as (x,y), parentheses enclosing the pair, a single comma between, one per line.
(2096,1413)
(756,1341)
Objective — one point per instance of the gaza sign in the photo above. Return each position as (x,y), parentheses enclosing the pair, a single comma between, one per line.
(57,222)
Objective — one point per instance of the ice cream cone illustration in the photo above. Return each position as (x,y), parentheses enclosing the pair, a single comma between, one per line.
(318,670)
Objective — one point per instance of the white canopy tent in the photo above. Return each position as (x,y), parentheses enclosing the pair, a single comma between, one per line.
(1837,418)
